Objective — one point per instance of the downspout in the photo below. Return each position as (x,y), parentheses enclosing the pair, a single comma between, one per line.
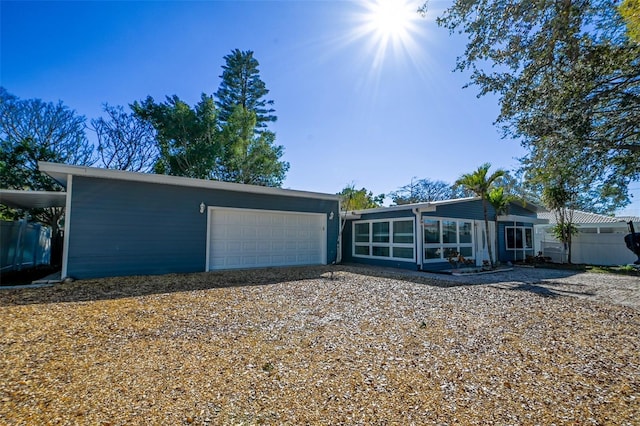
(64,274)
(515,229)
(419,242)
(341,224)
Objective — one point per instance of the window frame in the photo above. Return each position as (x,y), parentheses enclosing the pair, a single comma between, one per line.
(389,245)
(523,238)
(443,247)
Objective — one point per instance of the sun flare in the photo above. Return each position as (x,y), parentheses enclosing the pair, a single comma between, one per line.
(389,26)
(391,19)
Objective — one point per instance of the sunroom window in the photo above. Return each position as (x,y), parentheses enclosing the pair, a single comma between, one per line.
(380,232)
(445,238)
(389,238)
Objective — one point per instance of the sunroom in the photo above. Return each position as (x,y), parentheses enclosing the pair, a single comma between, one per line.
(436,236)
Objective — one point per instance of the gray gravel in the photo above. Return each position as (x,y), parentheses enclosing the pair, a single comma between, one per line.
(602,287)
(322,345)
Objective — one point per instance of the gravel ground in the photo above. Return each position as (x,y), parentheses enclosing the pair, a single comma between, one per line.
(608,288)
(326,345)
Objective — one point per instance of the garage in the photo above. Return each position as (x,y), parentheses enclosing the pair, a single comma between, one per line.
(120,223)
(249,238)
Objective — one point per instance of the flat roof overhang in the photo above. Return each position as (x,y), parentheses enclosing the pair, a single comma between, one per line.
(19,199)
(61,172)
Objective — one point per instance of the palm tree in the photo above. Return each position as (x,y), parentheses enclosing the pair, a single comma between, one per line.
(500,202)
(480,184)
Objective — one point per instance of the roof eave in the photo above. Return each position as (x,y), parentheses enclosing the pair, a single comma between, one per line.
(20,199)
(519,218)
(60,173)
(423,207)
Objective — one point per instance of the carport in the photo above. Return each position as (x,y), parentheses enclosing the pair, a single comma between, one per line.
(26,244)
(25,200)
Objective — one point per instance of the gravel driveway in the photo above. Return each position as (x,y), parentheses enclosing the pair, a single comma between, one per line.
(326,345)
(609,288)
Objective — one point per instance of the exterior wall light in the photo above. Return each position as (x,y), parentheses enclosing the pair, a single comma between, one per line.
(331,216)
(202,207)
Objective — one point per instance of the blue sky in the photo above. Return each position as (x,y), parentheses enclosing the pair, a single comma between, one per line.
(348,110)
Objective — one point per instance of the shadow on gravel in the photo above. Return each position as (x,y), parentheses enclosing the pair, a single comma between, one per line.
(145,285)
(135,286)
(545,289)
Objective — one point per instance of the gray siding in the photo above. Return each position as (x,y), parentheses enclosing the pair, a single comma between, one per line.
(134,228)
(517,210)
(393,214)
(465,210)
(347,242)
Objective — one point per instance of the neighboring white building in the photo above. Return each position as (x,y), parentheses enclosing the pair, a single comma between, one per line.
(599,241)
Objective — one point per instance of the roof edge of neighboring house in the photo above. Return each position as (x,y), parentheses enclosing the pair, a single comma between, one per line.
(587,218)
(61,172)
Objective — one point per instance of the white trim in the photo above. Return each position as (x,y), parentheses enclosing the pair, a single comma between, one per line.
(67,228)
(391,245)
(455,201)
(61,173)
(211,209)
(417,218)
(443,245)
(423,207)
(524,219)
(427,207)
(339,217)
(208,248)
(524,238)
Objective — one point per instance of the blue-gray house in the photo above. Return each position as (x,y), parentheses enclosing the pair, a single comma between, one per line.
(435,235)
(122,223)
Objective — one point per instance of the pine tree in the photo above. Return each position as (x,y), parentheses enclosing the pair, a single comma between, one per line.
(241,85)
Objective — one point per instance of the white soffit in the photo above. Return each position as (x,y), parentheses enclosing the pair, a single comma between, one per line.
(18,199)
(524,219)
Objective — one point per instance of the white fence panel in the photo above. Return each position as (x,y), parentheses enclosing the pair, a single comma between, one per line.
(602,249)
(606,249)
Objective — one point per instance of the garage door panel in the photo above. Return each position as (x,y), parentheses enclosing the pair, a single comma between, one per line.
(263,246)
(264,232)
(253,238)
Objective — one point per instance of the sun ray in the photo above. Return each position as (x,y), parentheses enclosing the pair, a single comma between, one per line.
(392,37)
(390,25)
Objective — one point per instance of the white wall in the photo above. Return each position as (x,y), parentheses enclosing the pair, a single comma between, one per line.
(590,248)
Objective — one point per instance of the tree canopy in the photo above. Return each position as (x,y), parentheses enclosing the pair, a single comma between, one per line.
(32,130)
(630,11)
(125,142)
(359,199)
(241,85)
(223,137)
(192,143)
(423,191)
(247,156)
(187,137)
(568,78)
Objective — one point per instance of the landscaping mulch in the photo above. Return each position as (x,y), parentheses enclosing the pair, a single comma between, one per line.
(325,345)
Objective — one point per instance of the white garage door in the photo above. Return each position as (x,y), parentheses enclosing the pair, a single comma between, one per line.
(241,238)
